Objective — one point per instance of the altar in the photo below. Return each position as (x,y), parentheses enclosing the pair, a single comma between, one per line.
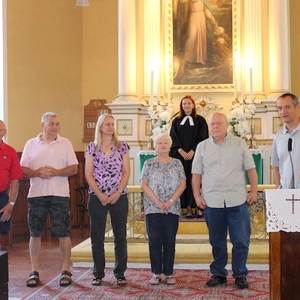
(257,155)
(144,155)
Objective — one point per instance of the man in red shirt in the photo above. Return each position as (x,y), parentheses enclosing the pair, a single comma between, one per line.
(10,173)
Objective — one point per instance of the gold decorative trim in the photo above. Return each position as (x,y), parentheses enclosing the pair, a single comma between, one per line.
(147,128)
(276,124)
(169,46)
(124,127)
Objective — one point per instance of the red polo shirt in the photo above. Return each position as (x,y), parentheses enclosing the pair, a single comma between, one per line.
(10,168)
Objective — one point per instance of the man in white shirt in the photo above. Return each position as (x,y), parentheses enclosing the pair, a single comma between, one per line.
(48,160)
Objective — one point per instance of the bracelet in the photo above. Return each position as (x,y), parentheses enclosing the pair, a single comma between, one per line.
(120,192)
(171,200)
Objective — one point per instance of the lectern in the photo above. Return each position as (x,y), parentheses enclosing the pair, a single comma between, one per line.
(283,225)
(3,275)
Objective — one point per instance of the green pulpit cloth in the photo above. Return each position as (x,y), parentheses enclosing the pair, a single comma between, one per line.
(257,157)
(144,155)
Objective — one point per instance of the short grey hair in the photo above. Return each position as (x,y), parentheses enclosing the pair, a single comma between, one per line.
(48,114)
(162,136)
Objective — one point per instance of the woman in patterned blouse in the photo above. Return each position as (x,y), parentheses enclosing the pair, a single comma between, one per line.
(107,172)
(163,181)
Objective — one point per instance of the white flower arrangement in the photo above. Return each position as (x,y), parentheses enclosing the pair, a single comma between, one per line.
(161,118)
(237,118)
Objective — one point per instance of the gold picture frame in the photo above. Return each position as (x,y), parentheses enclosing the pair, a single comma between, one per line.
(216,72)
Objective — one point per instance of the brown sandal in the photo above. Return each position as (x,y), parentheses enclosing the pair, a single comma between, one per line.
(65,278)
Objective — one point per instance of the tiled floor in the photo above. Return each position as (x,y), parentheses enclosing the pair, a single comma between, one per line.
(50,263)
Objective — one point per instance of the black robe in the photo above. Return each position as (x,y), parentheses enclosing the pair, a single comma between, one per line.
(187,137)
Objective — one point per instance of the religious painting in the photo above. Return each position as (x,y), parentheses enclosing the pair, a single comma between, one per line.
(202,48)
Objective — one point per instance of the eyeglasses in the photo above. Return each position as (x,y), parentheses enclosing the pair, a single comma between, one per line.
(216,124)
(51,124)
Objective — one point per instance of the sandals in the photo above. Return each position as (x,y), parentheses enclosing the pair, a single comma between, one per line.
(33,279)
(155,280)
(121,281)
(96,281)
(170,280)
(65,278)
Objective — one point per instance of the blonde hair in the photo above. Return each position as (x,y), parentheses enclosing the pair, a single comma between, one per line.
(98,134)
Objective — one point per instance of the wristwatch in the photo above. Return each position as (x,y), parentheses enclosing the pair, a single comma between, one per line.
(12,203)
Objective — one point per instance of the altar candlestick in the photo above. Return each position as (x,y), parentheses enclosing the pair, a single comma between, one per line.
(151,91)
(251,85)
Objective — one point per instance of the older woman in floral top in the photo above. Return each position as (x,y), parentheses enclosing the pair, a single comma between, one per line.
(163,181)
(107,172)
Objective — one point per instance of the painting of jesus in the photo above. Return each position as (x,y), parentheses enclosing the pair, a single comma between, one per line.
(202,42)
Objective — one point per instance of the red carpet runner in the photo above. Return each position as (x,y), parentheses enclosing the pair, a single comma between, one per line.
(190,285)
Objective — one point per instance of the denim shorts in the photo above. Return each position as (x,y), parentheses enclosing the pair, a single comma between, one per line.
(60,216)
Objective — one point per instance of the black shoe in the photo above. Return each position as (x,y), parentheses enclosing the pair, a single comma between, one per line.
(216,280)
(242,282)
(189,217)
(200,216)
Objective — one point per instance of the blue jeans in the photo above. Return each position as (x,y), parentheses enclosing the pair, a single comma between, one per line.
(118,214)
(237,221)
(162,230)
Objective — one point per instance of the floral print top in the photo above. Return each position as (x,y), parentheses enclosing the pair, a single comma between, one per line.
(108,170)
(163,179)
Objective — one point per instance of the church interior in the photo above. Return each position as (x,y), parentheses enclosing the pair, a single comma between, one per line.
(124,57)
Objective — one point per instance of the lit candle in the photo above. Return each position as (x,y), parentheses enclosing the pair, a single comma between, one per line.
(151,91)
(158,88)
(251,85)
(242,78)
(234,77)
(168,83)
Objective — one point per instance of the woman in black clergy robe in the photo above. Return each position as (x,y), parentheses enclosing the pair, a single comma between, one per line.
(187,131)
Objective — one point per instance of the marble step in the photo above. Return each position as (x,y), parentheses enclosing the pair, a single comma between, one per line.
(189,250)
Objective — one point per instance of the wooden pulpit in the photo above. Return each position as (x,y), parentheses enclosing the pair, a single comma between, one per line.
(283,225)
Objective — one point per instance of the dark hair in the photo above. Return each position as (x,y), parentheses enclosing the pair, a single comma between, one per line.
(181,111)
(294,97)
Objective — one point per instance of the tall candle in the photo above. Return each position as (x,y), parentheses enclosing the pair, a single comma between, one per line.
(158,88)
(251,85)
(151,91)
(168,83)
(242,79)
(234,77)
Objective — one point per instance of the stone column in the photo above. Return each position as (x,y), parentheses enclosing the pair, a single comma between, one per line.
(279,58)
(253,45)
(127,89)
